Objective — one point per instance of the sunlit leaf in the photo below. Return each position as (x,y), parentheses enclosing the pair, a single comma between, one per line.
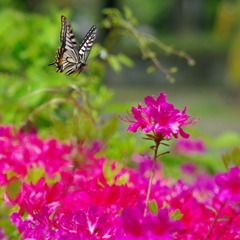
(236,156)
(226,157)
(153,207)
(13,188)
(125,60)
(173,69)
(151,69)
(114,63)
(176,215)
(123,179)
(110,128)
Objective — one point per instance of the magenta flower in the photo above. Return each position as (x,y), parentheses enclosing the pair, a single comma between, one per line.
(189,147)
(188,168)
(229,185)
(159,117)
(2,235)
(74,199)
(144,163)
(80,225)
(151,227)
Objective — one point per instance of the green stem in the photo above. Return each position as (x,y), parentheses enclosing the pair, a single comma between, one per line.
(151,176)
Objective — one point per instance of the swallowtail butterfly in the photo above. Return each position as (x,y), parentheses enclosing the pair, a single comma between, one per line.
(69,56)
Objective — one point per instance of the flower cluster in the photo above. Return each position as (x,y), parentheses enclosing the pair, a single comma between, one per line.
(189,147)
(159,117)
(63,200)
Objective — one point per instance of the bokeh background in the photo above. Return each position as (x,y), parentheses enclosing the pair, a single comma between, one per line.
(209,31)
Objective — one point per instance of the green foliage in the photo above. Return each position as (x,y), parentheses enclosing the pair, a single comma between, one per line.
(123,179)
(25,52)
(109,128)
(226,139)
(5,223)
(151,11)
(153,207)
(115,61)
(125,24)
(32,91)
(210,10)
(176,215)
(122,145)
(14,188)
(110,173)
(232,157)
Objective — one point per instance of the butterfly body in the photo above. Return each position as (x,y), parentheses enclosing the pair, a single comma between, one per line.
(70,57)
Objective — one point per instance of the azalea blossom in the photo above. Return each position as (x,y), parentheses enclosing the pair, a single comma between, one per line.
(229,185)
(2,235)
(83,204)
(189,147)
(159,117)
(151,227)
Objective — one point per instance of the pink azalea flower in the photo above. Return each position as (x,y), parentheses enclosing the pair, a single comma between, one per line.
(150,227)
(31,229)
(2,235)
(33,196)
(188,168)
(144,163)
(79,203)
(81,225)
(229,185)
(159,117)
(189,146)
(21,152)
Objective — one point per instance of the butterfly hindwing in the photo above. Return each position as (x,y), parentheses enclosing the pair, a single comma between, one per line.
(87,42)
(68,55)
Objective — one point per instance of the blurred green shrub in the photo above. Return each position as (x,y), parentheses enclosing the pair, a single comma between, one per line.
(28,44)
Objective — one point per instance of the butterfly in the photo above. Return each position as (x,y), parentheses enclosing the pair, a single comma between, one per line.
(70,57)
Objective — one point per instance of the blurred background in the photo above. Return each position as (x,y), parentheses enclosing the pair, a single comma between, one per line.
(209,31)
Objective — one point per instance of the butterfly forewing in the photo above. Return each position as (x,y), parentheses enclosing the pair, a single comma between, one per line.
(67,38)
(68,55)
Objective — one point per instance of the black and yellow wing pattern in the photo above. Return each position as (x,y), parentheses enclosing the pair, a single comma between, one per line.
(69,57)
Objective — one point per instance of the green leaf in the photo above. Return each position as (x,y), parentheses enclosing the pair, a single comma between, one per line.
(151,69)
(110,128)
(176,215)
(153,207)
(114,63)
(129,15)
(227,139)
(191,62)
(127,12)
(170,78)
(125,60)
(14,188)
(226,157)
(236,156)
(123,179)
(231,157)
(107,23)
(173,69)
(110,172)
